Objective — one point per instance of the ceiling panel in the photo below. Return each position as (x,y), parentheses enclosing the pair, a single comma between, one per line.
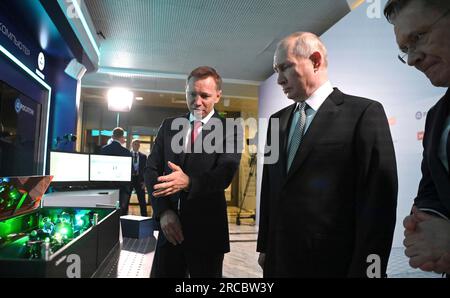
(237,37)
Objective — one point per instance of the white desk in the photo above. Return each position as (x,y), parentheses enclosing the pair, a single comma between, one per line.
(85,198)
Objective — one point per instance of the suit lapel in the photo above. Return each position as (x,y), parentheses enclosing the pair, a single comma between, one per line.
(322,120)
(437,169)
(182,155)
(285,120)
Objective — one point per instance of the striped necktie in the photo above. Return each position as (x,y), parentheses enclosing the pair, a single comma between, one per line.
(298,133)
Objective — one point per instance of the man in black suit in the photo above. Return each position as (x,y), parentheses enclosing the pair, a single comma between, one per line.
(137,176)
(115,148)
(187,181)
(422,29)
(328,205)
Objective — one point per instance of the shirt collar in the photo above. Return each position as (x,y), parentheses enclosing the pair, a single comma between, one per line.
(204,120)
(319,96)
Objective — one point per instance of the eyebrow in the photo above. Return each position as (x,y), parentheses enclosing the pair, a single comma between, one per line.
(200,93)
(277,67)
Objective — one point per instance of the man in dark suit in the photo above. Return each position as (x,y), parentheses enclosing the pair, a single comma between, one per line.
(115,148)
(422,29)
(328,205)
(137,176)
(187,182)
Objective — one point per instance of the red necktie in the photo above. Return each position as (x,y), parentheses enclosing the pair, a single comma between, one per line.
(194,133)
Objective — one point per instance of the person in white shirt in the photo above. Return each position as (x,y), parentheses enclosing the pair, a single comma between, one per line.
(329,204)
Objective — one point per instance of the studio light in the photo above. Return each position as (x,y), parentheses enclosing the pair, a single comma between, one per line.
(120,100)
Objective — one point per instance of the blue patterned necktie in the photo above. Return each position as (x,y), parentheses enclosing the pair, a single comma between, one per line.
(298,134)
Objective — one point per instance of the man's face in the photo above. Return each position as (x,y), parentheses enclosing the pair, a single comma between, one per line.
(201,96)
(136,146)
(420,29)
(295,73)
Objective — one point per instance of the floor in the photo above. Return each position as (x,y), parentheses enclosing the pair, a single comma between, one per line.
(134,257)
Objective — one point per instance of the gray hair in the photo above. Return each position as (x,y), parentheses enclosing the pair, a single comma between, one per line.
(306,44)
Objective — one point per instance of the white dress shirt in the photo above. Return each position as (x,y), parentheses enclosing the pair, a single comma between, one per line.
(191,119)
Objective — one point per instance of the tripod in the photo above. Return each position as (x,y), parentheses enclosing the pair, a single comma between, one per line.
(250,175)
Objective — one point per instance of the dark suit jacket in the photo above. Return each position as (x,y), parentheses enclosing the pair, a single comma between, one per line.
(115,149)
(203,212)
(434,187)
(142,163)
(337,204)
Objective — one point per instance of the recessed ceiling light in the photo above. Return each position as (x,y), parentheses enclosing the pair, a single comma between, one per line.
(139,98)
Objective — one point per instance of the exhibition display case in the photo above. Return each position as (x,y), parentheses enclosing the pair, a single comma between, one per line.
(40,241)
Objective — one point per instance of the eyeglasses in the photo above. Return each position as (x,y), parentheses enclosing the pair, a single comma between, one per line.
(416,40)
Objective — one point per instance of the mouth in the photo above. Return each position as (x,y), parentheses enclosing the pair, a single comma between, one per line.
(427,69)
(197,111)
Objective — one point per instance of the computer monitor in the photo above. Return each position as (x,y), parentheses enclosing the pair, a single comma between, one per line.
(110,168)
(69,167)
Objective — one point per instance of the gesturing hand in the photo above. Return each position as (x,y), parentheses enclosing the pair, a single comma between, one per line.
(172,183)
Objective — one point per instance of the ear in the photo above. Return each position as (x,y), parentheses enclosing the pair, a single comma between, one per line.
(316,59)
(219,96)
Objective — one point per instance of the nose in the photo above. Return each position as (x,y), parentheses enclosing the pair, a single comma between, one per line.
(197,100)
(415,57)
(281,79)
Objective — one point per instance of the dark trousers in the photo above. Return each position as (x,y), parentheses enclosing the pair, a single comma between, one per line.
(176,262)
(124,199)
(136,183)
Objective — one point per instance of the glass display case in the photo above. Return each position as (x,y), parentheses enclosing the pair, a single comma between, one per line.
(51,241)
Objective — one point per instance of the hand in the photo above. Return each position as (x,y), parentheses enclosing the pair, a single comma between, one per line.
(410,222)
(428,242)
(440,266)
(262,260)
(171,227)
(443,264)
(172,183)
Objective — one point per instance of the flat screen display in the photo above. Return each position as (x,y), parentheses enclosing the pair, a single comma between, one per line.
(110,168)
(69,167)
(20,119)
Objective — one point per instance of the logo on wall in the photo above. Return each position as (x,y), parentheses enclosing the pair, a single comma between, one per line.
(41,61)
(392,121)
(420,115)
(19,107)
(41,65)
